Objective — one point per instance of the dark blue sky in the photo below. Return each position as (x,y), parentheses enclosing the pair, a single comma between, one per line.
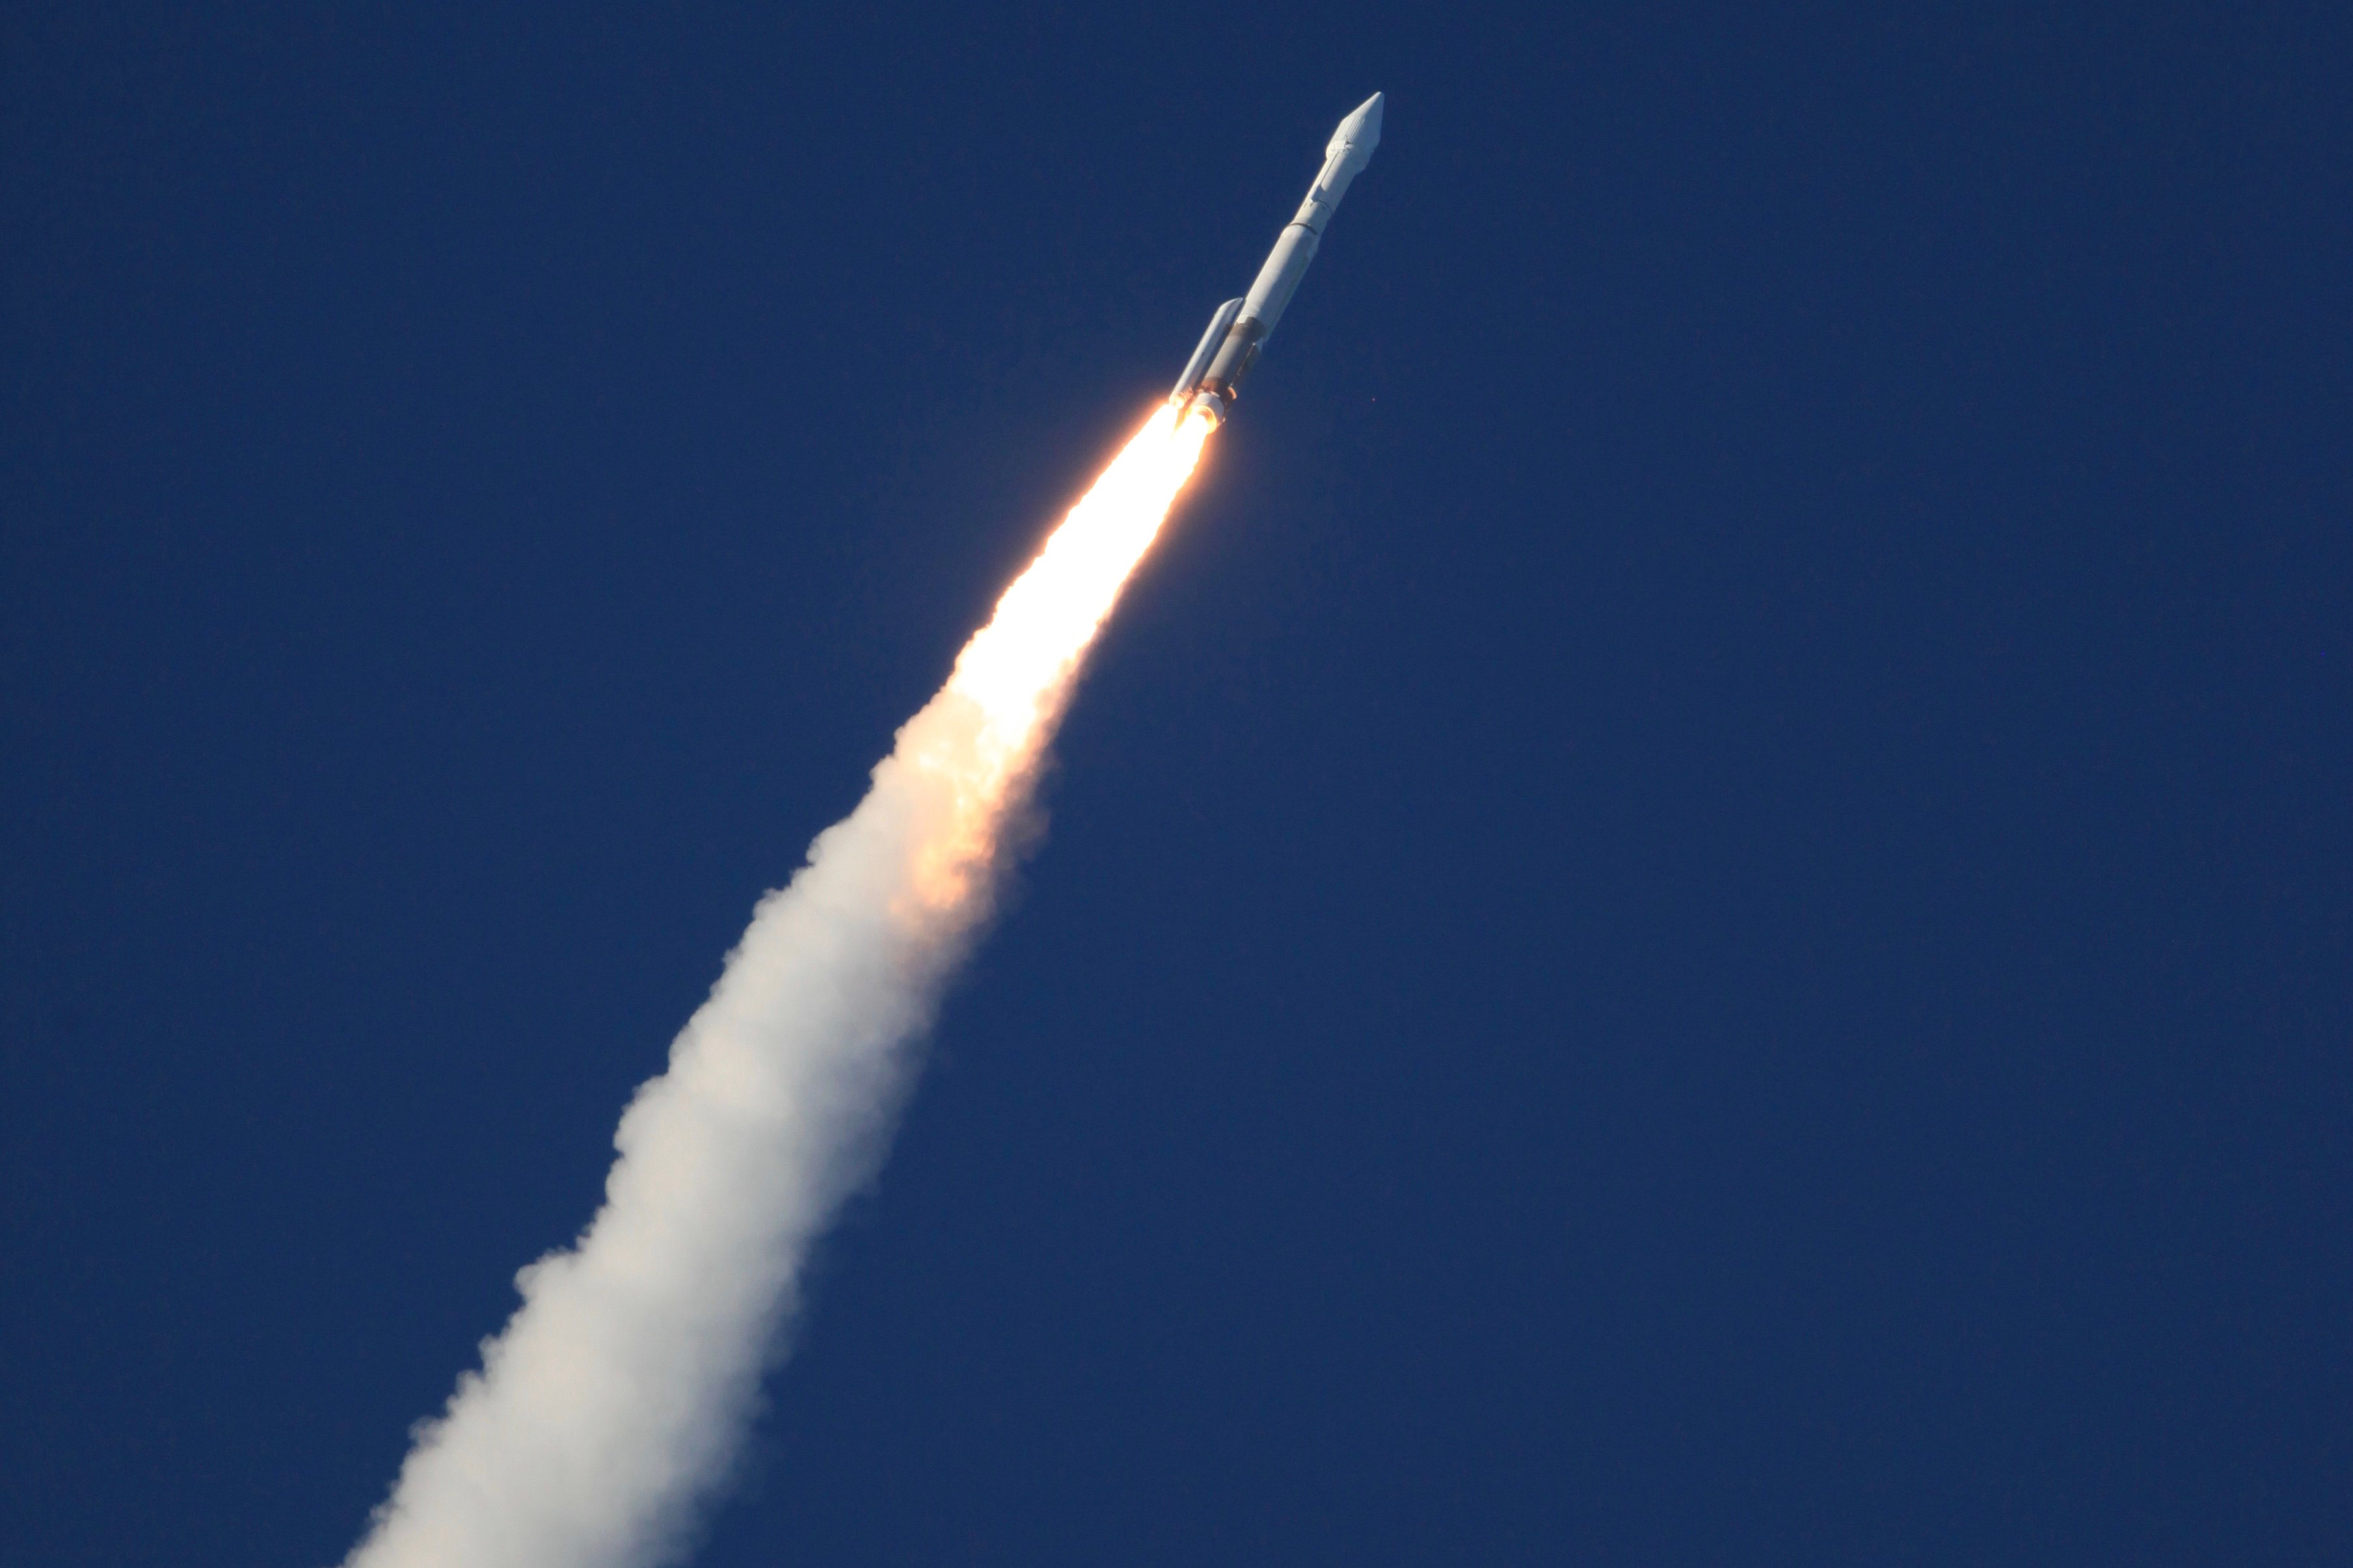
(1701,911)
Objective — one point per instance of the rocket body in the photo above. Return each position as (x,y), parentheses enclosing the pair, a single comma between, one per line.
(1239,329)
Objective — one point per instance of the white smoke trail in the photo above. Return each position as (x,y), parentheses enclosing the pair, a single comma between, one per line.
(616,1396)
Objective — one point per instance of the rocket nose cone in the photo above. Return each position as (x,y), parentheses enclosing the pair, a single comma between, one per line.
(1361,130)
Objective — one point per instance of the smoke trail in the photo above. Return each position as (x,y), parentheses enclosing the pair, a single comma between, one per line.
(615,1397)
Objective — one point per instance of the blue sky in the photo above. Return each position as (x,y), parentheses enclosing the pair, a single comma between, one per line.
(1698,911)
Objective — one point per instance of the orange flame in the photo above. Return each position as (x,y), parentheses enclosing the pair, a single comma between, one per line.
(977,740)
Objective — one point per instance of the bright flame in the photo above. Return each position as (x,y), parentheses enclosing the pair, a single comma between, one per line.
(1011,678)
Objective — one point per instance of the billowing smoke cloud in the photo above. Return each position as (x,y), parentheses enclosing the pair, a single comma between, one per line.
(615,1396)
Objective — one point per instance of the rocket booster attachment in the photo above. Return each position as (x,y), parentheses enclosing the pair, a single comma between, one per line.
(1240,328)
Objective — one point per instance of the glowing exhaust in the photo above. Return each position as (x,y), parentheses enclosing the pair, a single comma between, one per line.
(616,1396)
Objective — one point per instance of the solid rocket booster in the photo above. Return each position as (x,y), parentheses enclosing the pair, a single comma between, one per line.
(1239,329)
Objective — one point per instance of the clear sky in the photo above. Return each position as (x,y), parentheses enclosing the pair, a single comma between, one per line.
(1700,911)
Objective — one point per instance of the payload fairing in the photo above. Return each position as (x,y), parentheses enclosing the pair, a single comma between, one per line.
(1240,327)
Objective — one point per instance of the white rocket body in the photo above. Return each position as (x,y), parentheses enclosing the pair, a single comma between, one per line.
(1239,329)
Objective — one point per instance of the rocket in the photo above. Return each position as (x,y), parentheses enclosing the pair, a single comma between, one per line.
(1238,331)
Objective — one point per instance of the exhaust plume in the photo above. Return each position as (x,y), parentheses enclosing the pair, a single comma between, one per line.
(614,1398)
